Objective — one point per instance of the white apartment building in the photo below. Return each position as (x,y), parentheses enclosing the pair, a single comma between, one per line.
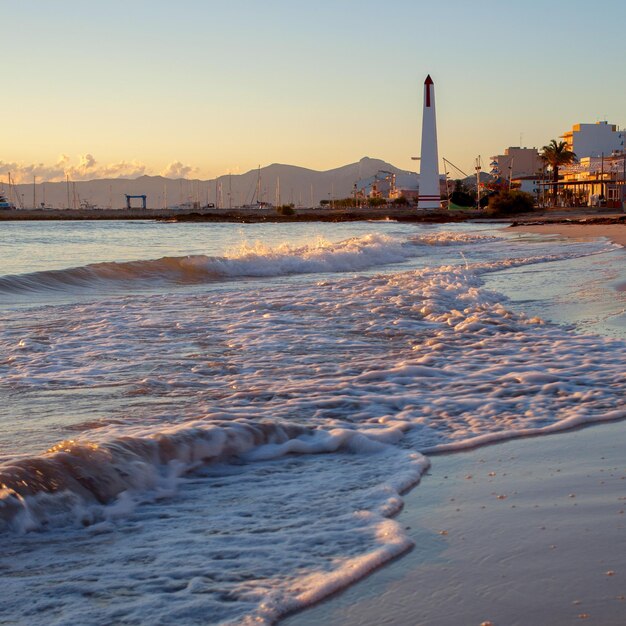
(529,184)
(594,140)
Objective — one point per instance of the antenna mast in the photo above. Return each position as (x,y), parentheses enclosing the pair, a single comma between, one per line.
(478,168)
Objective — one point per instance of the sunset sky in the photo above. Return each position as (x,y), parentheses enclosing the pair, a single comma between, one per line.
(202,88)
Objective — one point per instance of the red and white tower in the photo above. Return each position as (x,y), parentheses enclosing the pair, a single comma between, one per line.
(429,191)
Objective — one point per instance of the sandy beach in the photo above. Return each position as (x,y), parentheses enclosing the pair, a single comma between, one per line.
(614,232)
(530,531)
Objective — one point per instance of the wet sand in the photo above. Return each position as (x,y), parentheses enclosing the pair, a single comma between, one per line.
(530,531)
(614,232)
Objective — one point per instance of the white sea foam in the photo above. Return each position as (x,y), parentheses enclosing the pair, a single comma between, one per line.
(452,238)
(280,423)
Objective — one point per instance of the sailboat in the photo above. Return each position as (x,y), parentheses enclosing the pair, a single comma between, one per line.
(257,203)
(4,202)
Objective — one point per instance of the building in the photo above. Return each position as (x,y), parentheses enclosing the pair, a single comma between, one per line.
(596,181)
(592,181)
(529,184)
(594,140)
(381,185)
(516,162)
(389,185)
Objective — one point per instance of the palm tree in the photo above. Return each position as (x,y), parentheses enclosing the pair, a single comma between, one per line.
(556,154)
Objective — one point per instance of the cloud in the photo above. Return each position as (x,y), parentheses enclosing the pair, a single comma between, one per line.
(21,172)
(87,162)
(177,170)
(87,168)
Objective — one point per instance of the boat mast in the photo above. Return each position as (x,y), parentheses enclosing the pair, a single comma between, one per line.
(478,168)
(19,200)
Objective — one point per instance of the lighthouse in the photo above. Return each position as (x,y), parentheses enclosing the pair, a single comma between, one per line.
(429,192)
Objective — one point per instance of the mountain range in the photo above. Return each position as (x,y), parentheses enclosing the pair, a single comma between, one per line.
(275,184)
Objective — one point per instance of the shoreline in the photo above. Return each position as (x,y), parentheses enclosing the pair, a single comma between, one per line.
(613,229)
(241,215)
(529,530)
(497,526)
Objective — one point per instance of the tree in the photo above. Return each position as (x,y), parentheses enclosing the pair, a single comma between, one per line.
(555,155)
(462,196)
(506,203)
(344,203)
(400,201)
(285,209)
(374,202)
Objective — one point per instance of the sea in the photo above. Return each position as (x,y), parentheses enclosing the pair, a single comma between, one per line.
(215,423)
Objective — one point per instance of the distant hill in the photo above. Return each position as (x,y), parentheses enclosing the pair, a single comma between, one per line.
(302,186)
(470,181)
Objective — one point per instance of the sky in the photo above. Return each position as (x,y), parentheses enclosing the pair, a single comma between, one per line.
(201,88)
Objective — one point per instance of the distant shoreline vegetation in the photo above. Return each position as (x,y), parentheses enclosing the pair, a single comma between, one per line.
(286,209)
(356,203)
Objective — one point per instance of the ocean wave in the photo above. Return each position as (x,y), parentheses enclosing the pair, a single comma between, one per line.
(252,260)
(464,369)
(76,480)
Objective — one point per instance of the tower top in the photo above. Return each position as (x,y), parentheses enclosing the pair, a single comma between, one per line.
(429,81)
